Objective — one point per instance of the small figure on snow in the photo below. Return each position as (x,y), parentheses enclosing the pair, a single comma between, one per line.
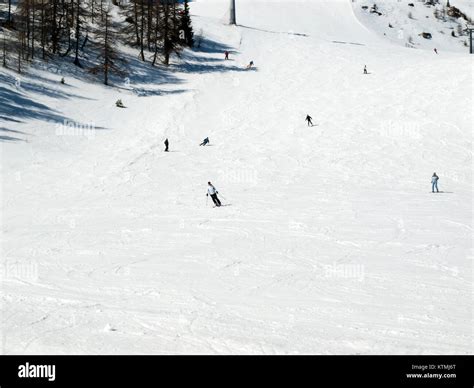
(309,119)
(212,191)
(365,69)
(250,65)
(167,144)
(63,81)
(205,142)
(436,50)
(226,53)
(434,183)
(119,104)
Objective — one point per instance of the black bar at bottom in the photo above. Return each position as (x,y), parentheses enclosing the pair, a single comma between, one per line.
(293,371)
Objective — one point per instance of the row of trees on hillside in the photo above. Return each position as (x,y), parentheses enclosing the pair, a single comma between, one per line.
(79,29)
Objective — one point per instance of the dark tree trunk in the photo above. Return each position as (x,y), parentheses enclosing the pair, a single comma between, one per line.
(142,18)
(78,32)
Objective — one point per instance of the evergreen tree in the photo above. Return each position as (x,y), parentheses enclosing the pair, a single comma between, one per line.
(186,26)
(50,28)
(80,26)
(171,30)
(108,57)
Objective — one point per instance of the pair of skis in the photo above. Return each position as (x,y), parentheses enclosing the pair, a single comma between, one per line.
(207,200)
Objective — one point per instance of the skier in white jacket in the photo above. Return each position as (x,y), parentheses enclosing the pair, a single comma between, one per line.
(212,191)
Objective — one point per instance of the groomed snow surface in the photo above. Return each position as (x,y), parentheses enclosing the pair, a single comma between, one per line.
(330,242)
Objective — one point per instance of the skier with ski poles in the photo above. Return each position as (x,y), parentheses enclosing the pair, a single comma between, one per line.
(309,119)
(434,183)
(205,142)
(212,191)
(167,143)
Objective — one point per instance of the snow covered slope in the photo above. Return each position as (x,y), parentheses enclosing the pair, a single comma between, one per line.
(331,240)
(404,22)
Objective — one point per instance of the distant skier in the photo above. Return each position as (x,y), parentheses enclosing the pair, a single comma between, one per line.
(212,191)
(434,183)
(436,50)
(250,65)
(205,142)
(309,119)
(226,53)
(167,144)
(365,69)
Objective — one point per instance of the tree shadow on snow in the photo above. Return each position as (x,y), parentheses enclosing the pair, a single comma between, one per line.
(16,106)
(144,73)
(201,68)
(12,131)
(189,61)
(9,138)
(35,83)
(209,46)
(274,32)
(141,92)
(5,118)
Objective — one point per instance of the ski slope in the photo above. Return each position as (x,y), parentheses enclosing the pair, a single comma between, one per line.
(330,242)
(402,24)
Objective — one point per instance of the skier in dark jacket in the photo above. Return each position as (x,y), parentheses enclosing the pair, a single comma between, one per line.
(365,69)
(226,53)
(205,142)
(434,183)
(167,144)
(212,191)
(309,119)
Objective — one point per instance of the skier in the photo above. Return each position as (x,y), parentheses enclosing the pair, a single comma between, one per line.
(436,50)
(309,119)
(434,183)
(205,142)
(167,143)
(212,191)
(226,53)
(365,69)
(250,65)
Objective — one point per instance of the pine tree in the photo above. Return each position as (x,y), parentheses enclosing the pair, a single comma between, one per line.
(156,31)
(9,15)
(186,26)
(51,28)
(108,57)
(137,19)
(170,30)
(80,14)
(129,29)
